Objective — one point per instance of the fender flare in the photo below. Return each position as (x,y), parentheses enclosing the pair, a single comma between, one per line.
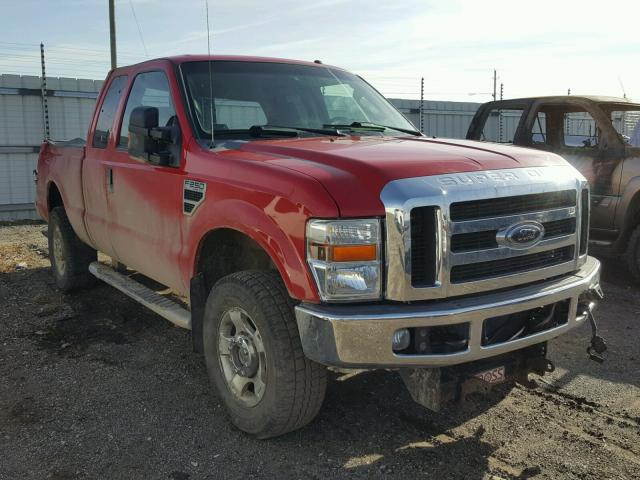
(263,226)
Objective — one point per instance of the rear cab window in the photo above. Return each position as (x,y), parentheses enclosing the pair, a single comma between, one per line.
(580,130)
(234,114)
(107,113)
(341,106)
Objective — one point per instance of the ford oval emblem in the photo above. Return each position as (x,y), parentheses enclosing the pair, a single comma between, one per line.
(521,235)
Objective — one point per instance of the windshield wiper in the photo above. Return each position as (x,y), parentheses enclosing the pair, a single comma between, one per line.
(266,131)
(319,131)
(256,131)
(372,127)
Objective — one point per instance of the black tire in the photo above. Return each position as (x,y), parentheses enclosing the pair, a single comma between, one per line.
(294,385)
(633,254)
(69,256)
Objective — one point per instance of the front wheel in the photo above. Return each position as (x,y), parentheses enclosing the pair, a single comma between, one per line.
(254,356)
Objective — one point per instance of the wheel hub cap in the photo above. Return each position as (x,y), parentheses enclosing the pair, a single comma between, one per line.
(242,356)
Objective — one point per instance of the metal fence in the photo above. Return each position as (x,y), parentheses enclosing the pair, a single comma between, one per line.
(70,104)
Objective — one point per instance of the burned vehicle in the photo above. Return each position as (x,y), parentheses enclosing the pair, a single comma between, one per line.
(600,136)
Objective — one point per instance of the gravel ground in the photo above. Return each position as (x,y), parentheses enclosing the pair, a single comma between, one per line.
(94,386)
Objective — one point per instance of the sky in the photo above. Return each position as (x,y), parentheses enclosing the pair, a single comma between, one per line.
(543,47)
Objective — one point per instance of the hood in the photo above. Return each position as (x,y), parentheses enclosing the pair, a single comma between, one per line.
(355,169)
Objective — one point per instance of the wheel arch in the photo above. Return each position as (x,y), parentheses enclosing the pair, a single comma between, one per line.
(54,196)
(628,213)
(224,250)
(255,243)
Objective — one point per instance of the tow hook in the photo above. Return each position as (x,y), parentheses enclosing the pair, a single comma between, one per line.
(598,344)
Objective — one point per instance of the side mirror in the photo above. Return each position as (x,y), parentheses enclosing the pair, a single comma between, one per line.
(143,118)
(150,142)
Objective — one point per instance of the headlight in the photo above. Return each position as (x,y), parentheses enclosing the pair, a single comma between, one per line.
(344,256)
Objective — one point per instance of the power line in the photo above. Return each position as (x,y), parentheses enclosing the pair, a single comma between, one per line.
(80,49)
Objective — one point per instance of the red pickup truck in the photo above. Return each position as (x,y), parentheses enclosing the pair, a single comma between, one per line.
(302,222)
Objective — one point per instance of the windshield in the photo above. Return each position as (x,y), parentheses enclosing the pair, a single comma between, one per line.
(258,94)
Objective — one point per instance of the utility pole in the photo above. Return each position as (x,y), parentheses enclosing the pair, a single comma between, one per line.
(495,79)
(112,33)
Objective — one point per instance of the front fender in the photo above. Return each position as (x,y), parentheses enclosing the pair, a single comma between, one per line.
(278,227)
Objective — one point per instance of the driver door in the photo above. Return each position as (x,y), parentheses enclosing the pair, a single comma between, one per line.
(146,200)
(582,144)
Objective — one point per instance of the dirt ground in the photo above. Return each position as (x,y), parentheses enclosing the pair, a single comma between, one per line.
(94,386)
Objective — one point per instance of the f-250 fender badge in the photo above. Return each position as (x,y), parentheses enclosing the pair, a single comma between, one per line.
(193,195)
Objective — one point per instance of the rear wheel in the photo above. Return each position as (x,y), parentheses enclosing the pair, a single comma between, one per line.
(254,356)
(633,254)
(70,257)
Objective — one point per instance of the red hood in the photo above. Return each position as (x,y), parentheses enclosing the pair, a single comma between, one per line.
(355,169)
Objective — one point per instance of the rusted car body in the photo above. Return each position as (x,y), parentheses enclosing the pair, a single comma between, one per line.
(600,136)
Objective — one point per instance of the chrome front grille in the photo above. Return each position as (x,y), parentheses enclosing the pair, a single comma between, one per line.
(446,234)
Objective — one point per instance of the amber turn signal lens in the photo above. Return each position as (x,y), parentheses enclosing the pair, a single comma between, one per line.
(353,253)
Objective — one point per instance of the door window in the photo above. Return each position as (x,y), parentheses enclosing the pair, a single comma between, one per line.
(501,125)
(580,130)
(627,124)
(108,112)
(150,89)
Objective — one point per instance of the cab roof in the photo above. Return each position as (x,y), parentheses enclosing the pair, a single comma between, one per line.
(568,99)
(178,59)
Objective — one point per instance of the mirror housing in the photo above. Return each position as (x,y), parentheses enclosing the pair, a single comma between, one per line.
(150,142)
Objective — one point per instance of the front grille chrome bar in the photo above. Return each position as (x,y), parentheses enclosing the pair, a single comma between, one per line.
(499,223)
(501,252)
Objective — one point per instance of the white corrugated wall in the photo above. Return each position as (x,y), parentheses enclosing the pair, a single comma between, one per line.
(441,119)
(22,129)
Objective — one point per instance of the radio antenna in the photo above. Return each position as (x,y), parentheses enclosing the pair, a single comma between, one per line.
(211,100)
(624,93)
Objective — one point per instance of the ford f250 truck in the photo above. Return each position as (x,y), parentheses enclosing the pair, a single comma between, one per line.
(302,222)
(600,136)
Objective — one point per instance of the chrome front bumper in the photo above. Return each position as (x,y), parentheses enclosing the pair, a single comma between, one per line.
(360,336)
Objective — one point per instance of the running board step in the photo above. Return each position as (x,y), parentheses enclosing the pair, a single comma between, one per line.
(164,307)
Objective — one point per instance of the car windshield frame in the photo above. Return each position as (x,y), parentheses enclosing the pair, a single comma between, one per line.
(398,126)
